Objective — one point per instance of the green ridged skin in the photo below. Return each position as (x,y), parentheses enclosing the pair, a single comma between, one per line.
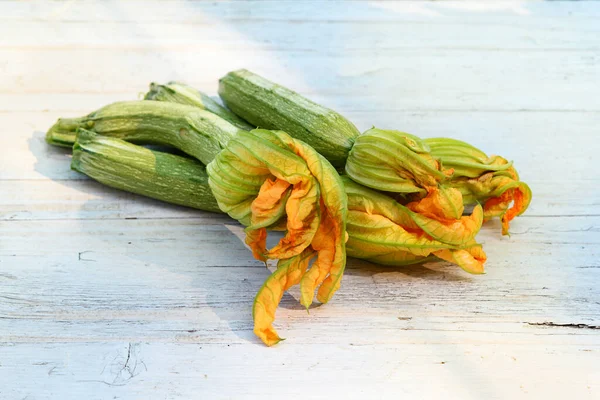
(271,106)
(196,132)
(125,166)
(176,92)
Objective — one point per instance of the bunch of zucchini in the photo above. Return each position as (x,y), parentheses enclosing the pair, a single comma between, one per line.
(385,196)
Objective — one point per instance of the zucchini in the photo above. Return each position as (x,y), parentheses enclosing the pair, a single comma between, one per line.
(196,132)
(136,169)
(271,106)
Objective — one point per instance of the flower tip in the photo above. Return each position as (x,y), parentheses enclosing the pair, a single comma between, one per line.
(306,299)
(505,227)
(268,336)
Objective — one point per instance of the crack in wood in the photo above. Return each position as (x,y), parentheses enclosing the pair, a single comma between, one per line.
(80,258)
(572,325)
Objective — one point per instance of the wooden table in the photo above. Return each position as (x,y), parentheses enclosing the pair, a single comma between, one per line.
(107,295)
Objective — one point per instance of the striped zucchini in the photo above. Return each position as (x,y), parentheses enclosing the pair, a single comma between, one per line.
(136,169)
(271,106)
(196,132)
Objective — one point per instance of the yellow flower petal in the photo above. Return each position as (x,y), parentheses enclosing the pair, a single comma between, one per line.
(288,273)
(470,259)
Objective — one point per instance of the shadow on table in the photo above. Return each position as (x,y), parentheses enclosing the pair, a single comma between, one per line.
(433,271)
(108,204)
(54,163)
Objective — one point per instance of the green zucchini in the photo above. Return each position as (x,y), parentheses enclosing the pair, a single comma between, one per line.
(197,132)
(136,169)
(271,106)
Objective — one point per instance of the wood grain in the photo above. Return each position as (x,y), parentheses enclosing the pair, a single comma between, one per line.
(174,370)
(368,81)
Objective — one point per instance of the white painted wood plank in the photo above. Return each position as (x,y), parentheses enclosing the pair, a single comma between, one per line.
(568,230)
(80,199)
(547,269)
(404,318)
(367,81)
(485,32)
(291,10)
(61,284)
(154,370)
(96,305)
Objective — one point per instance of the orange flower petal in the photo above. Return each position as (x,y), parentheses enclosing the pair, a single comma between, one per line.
(303,219)
(440,204)
(288,273)
(256,239)
(470,259)
(325,244)
(513,201)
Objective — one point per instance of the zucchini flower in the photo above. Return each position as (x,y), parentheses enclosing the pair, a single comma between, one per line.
(492,181)
(267,180)
(409,210)
(389,161)
(384,231)
(394,161)
(432,224)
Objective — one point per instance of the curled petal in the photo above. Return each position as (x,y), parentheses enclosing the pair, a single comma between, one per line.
(470,259)
(501,195)
(372,234)
(269,206)
(303,219)
(492,181)
(326,242)
(515,192)
(439,214)
(256,239)
(440,203)
(455,232)
(288,273)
